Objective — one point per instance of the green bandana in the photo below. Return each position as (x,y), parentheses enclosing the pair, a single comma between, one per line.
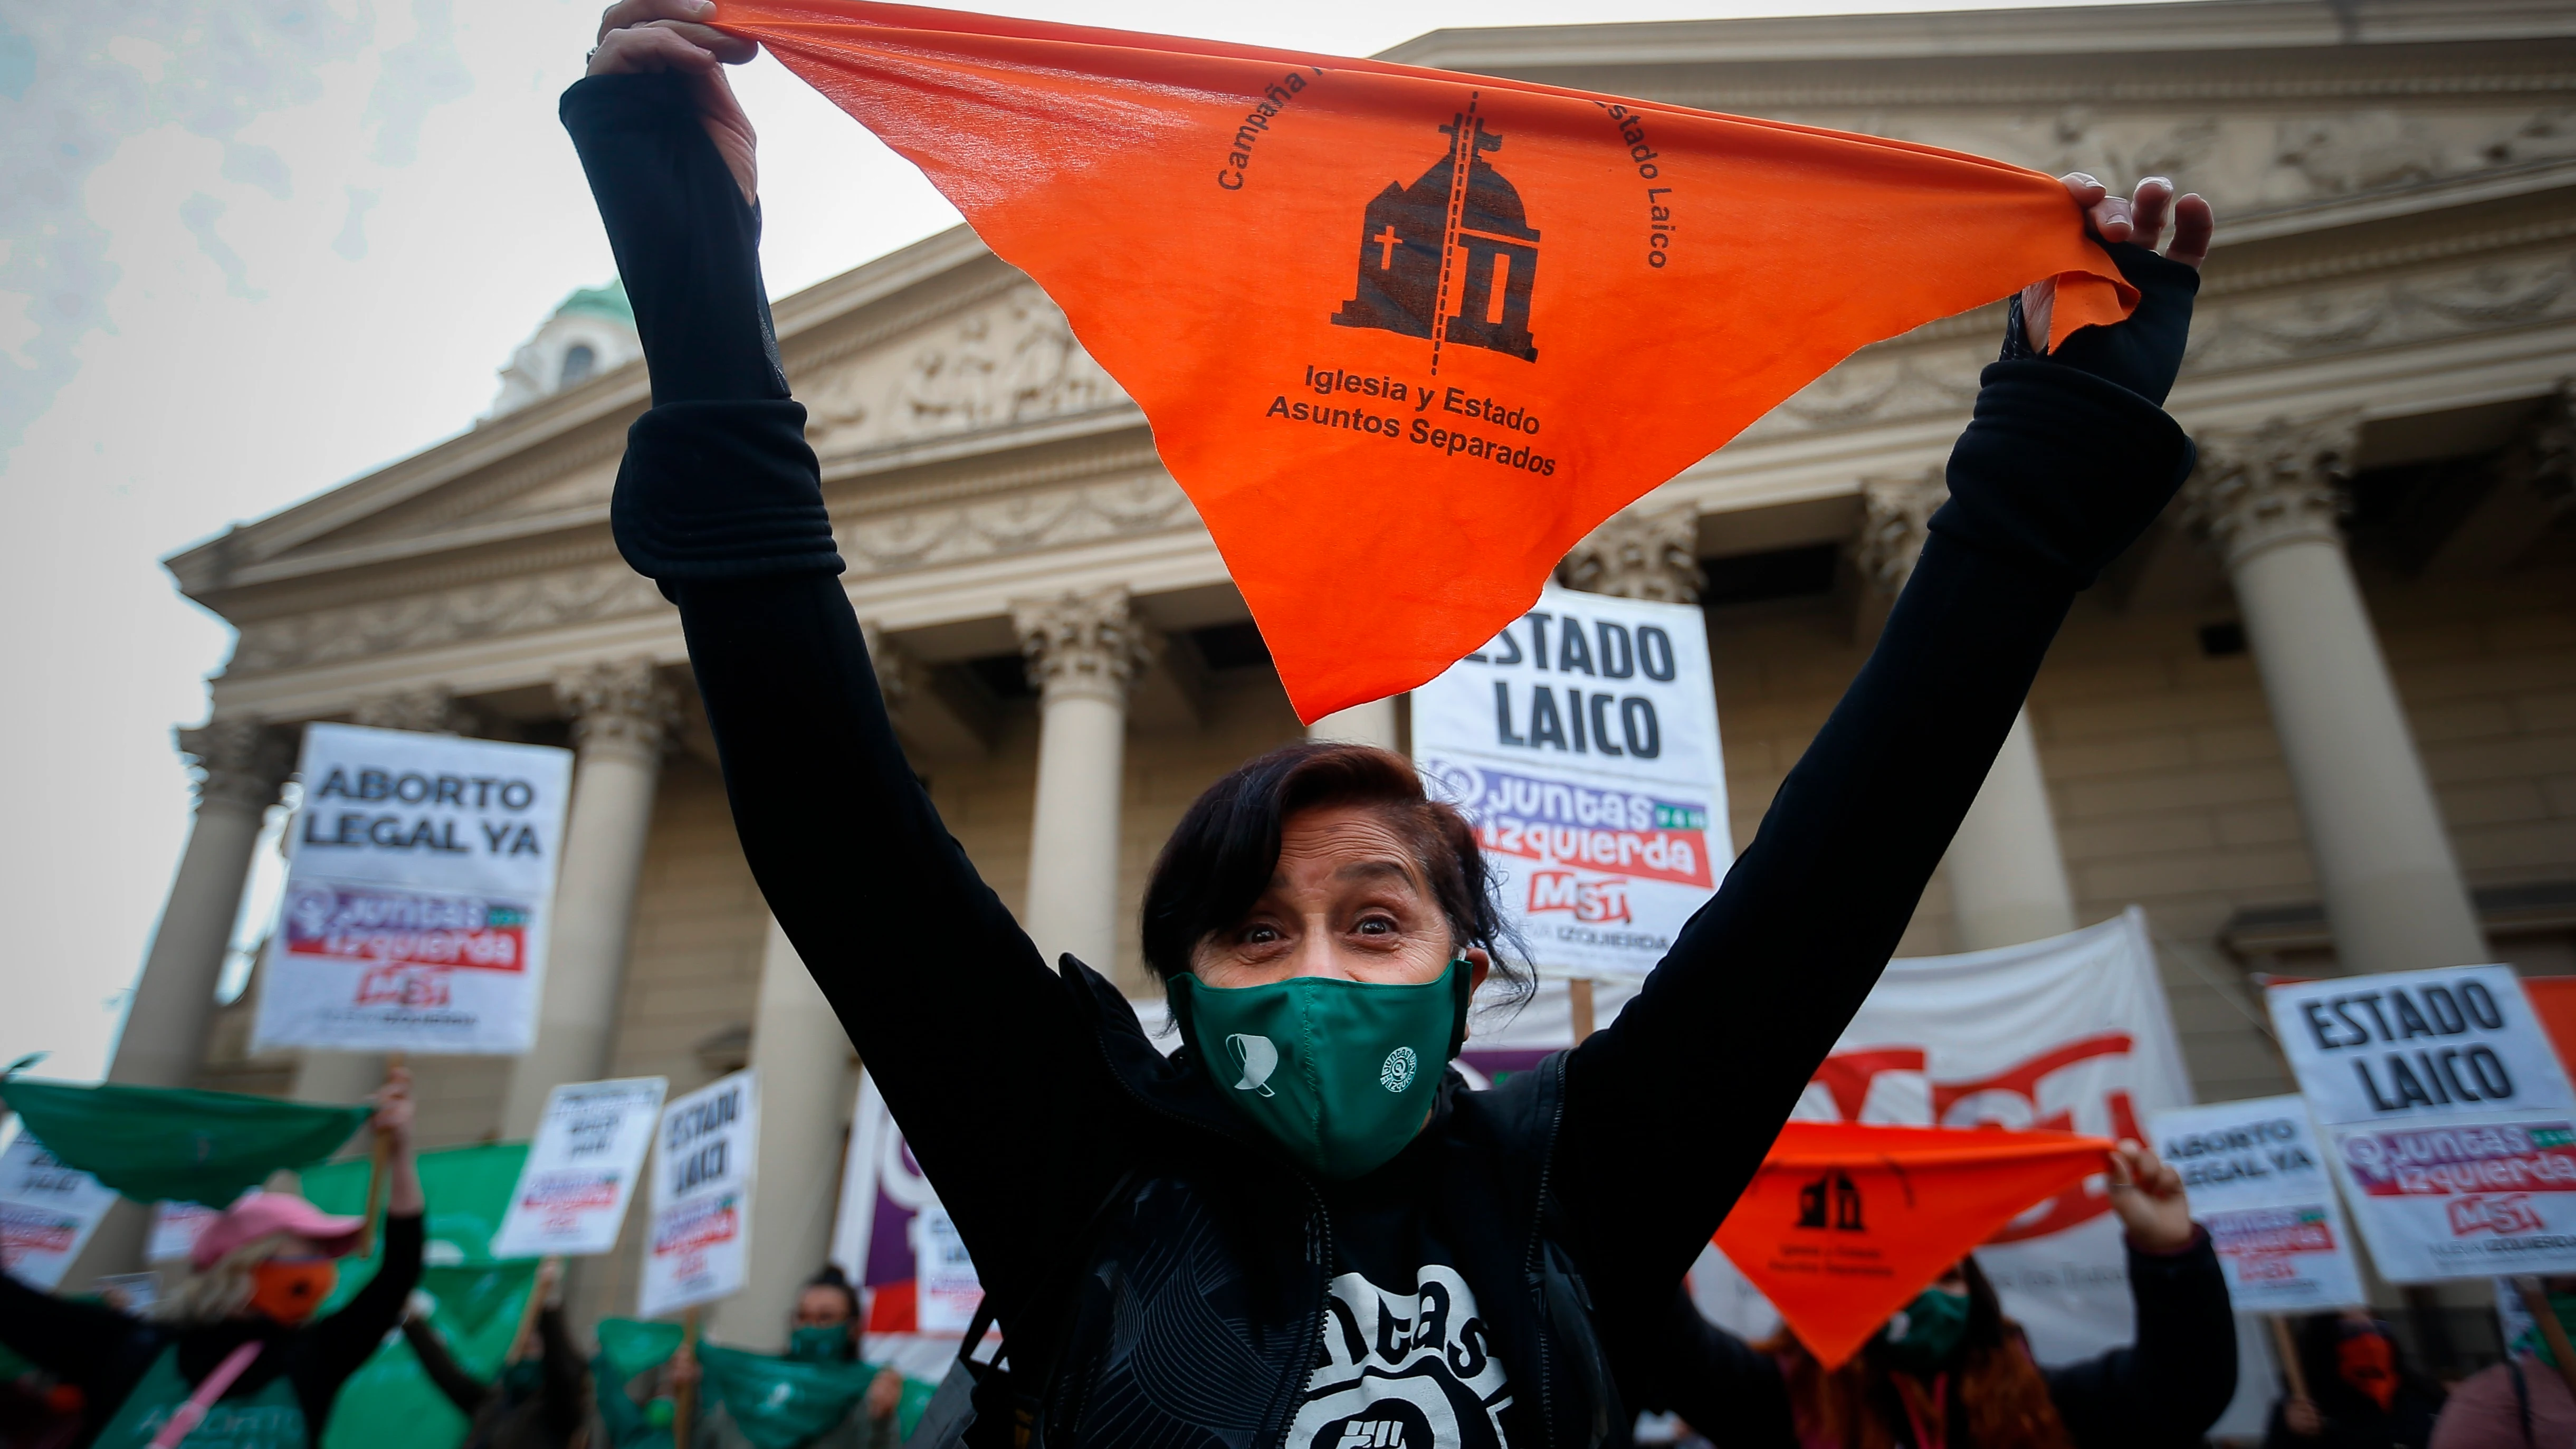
(828,1343)
(1922,1334)
(1340,1072)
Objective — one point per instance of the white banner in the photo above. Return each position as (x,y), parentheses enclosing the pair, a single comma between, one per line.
(2449,1119)
(572,1192)
(419,892)
(895,1240)
(2070,1032)
(2258,1182)
(700,1233)
(1582,742)
(47,1212)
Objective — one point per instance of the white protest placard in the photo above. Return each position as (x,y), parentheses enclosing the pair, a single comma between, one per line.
(572,1191)
(419,894)
(47,1212)
(2257,1179)
(699,1239)
(176,1226)
(2448,1118)
(1582,744)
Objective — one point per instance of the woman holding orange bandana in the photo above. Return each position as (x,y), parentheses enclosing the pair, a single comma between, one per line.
(236,1358)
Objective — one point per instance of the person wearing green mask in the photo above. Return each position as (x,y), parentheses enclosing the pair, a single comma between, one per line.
(1301,1228)
(540,1398)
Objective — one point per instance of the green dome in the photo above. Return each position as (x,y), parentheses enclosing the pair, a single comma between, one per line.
(608,301)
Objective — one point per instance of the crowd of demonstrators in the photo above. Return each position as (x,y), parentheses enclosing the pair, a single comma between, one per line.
(2521,1403)
(1949,1371)
(538,1400)
(237,1346)
(1184,1251)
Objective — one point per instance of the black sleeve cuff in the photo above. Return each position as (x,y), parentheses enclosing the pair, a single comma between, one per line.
(721,490)
(2060,469)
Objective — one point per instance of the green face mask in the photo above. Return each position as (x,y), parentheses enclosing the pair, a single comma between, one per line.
(1920,1337)
(523,1379)
(1340,1072)
(829,1343)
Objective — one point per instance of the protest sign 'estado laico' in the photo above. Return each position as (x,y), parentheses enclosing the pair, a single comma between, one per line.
(1581,742)
(2448,1117)
(1481,314)
(2257,1180)
(698,1240)
(419,894)
(571,1196)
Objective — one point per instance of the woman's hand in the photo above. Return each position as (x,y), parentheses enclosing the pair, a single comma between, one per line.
(2299,1415)
(650,37)
(2148,1196)
(403,1197)
(2142,220)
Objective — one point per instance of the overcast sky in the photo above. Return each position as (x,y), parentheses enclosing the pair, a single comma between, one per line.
(251,249)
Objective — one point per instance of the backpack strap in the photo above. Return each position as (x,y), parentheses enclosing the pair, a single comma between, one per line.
(2521,1399)
(184,1421)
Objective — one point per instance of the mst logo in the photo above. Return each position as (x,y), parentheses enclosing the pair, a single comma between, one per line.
(2503,1216)
(1451,257)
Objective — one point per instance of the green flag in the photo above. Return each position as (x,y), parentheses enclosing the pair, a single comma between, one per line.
(390,1402)
(777,1403)
(167,1143)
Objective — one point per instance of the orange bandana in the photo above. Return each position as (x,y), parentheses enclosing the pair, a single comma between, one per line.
(1406,336)
(288,1290)
(1844,1224)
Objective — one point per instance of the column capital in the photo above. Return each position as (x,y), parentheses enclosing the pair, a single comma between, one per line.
(620,706)
(431,709)
(1639,554)
(1896,516)
(894,668)
(2280,482)
(240,760)
(1084,644)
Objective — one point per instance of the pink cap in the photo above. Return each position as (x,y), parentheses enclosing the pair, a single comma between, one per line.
(259,1214)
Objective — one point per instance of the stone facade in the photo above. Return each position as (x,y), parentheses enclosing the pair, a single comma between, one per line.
(2396,283)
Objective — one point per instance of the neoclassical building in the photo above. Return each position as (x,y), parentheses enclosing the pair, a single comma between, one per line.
(2322,718)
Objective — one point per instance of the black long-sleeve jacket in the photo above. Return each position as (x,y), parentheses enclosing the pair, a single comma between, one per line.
(1185,1306)
(106,1352)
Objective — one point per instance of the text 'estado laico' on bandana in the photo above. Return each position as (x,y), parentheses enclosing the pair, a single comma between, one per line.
(1406,336)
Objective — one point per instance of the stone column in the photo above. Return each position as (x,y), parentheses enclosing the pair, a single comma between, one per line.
(1375,723)
(2268,499)
(803,1058)
(622,716)
(1639,554)
(2008,881)
(1084,653)
(242,762)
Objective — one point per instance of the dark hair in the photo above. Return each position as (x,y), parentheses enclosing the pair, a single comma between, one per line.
(839,1282)
(1220,857)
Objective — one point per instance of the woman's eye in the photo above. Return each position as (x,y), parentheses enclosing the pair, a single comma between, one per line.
(1376,926)
(1260,935)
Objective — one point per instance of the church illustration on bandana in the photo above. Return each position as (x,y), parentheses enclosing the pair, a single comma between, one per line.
(1411,251)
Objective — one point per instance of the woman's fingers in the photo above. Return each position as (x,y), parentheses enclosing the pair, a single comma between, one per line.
(2110,218)
(649,50)
(638,12)
(681,17)
(2149,209)
(2194,225)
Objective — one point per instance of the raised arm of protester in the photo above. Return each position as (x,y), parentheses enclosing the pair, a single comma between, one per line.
(720,502)
(2067,460)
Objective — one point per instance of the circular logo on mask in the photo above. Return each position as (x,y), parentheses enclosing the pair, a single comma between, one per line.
(1398,1072)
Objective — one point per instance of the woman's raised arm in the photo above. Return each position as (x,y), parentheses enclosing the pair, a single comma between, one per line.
(2068,458)
(969,1035)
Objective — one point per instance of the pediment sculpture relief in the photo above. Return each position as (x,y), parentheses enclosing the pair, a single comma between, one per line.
(1012,361)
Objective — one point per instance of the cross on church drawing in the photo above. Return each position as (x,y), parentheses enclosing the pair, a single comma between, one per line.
(1455,242)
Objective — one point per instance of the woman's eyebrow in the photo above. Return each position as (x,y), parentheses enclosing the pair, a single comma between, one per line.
(1371,869)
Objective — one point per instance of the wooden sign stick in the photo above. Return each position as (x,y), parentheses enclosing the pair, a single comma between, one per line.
(684,1403)
(2536,1301)
(379,1155)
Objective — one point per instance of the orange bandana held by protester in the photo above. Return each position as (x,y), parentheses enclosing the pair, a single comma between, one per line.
(1406,336)
(1845,1223)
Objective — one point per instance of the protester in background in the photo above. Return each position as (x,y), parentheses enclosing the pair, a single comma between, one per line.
(1951,1372)
(1174,1247)
(2521,1403)
(2362,1393)
(238,1343)
(826,1330)
(537,1402)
